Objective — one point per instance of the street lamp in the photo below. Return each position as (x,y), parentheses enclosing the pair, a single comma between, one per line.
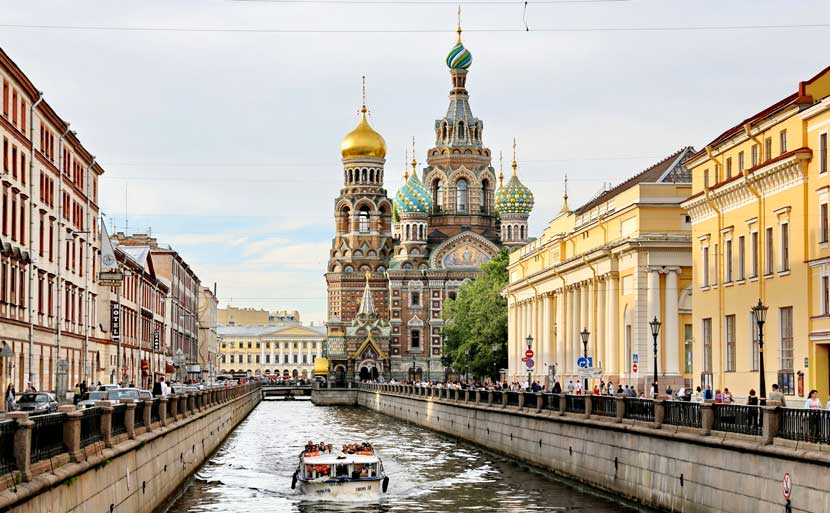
(759,312)
(655,332)
(529,341)
(585,334)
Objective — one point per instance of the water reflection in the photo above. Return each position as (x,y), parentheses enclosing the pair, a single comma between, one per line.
(428,472)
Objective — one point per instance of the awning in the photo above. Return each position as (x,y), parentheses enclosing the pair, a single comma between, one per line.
(321,367)
(169,369)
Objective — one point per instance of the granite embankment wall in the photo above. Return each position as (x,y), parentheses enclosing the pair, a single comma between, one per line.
(138,461)
(661,466)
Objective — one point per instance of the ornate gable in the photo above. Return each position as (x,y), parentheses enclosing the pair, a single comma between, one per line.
(467,250)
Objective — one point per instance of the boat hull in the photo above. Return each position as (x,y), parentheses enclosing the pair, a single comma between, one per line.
(358,490)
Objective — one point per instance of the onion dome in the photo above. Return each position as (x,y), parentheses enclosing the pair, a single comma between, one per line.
(459,57)
(514,198)
(413,197)
(363,141)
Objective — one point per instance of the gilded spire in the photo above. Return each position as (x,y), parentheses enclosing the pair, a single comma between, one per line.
(501,171)
(405,164)
(363,109)
(514,165)
(414,163)
(363,141)
(458,29)
(565,207)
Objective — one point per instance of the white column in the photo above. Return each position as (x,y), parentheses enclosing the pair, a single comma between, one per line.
(592,340)
(601,319)
(577,327)
(652,311)
(671,336)
(567,329)
(612,328)
(511,337)
(560,331)
(547,337)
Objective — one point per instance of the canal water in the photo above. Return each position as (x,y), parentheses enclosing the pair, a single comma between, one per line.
(429,472)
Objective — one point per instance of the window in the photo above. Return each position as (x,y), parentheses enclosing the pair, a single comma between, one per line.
(415,339)
(364,220)
(415,299)
(825,223)
(452,295)
(782,140)
(437,194)
(754,260)
(755,349)
(716,275)
(707,345)
(785,247)
(741,257)
(705,267)
(705,178)
(825,295)
(717,174)
(305,359)
(729,328)
(770,252)
(785,374)
(767,148)
(822,153)
(741,162)
(754,155)
(461,195)
(729,168)
(688,337)
(728,262)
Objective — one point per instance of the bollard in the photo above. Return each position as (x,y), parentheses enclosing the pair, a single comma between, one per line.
(72,432)
(771,419)
(659,413)
(106,422)
(191,404)
(707,418)
(182,407)
(489,398)
(23,443)
(129,417)
(620,408)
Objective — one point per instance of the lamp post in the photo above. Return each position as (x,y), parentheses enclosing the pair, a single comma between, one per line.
(759,312)
(585,334)
(655,332)
(529,341)
(467,362)
(413,369)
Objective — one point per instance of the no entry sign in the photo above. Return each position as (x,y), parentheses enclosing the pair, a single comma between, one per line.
(787,486)
(529,353)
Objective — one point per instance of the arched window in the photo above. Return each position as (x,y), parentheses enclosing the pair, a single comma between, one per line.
(351,176)
(444,132)
(485,195)
(343,225)
(421,232)
(522,231)
(364,220)
(460,134)
(461,195)
(407,232)
(509,233)
(437,194)
(372,175)
(363,172)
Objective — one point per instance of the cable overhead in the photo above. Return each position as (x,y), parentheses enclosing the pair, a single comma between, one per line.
(433,2)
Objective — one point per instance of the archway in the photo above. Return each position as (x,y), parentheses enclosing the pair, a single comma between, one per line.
(339,376)
(368,373)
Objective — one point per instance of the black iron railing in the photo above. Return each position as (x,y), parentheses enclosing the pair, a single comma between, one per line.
(512,398)
(154,411)
(90,426)
(453,394)
(735,418)
(575,403)
(805,425)
(604,405)
(47,436)
(119,424)
(530,399)
(138,418)
(682,413)
(639,409)
(8,462)
(497,396)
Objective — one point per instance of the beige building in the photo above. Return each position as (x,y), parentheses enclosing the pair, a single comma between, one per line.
(288,351)
(609,266)
(233,316)
(208,348)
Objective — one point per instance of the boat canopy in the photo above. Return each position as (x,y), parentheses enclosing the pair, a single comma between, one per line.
(339,459)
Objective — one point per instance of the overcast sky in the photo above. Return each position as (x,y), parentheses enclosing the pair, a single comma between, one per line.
(226,143)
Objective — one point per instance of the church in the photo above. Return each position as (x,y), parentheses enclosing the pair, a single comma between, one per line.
(395,261)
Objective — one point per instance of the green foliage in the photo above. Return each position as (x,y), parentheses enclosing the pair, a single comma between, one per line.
(475,323)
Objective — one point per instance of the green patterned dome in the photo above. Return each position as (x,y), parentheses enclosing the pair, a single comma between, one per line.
(459,57)
(413,197)
(514,198)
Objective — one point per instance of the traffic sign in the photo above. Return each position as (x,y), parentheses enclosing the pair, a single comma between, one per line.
(585,362)
(787,486)
(529,363)
(156,341)
(634,368)
(589,372)
(635,358)
(529,353)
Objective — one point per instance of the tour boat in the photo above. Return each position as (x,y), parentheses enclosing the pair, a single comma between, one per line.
(340,476)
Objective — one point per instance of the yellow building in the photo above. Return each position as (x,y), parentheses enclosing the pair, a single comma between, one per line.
(270,350)
(610,266)
(760,230)
(233,316)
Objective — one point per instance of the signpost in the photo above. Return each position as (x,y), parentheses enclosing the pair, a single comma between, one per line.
(529,363)
(529,353)
(585,362)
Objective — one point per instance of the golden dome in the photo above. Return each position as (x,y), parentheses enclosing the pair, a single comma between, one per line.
(363,141)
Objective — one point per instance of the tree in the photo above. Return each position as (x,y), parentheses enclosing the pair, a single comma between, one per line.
(475,322)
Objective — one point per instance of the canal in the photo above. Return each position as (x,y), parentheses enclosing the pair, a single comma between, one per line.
(428,472)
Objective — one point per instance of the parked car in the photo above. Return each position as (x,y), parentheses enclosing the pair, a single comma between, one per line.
(108,386)
(115,395)
(184,389)
(145,394)
(89,398)
(37,403)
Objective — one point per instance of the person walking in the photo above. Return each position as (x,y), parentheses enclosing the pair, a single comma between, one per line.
(776,395)
(10,398)
(157,392)
(813,402)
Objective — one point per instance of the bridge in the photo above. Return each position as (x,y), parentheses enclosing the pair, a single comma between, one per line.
(286,392)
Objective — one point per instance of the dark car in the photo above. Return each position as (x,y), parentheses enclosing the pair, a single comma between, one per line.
(37,403)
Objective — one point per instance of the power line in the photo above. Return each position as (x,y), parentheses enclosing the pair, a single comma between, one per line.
(434,2)
(417,31)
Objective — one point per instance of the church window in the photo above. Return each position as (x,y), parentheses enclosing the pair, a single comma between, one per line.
(348,269)
(364,220)
(460,130)
(408,232)
(509,233)
(415,338)
(421,232)
(372,175)
(522,233)
(461,195)
(444,132)
(485,195)
(437,194)
(415,299)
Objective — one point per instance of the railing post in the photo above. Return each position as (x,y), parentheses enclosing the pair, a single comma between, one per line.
(659,413)
(72,431)
(771,419)
(589,397)
(162,411)
(540,402)
(521,395)
(23,443)
(620,399)
(191,403)
(106,422)
(182,406)
(174,407)
(129,417)
(147,413)
(707,418)
(563,403)
(504,398)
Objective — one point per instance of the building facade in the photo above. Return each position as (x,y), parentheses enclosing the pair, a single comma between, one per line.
(410,254)
(233,316)
(49,239)
(760,228)
(285,351)
(208,348)
(608,267)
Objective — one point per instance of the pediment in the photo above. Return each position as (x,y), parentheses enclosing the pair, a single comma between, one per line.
(467,250)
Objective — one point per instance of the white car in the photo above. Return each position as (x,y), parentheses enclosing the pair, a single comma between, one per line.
(88,399)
